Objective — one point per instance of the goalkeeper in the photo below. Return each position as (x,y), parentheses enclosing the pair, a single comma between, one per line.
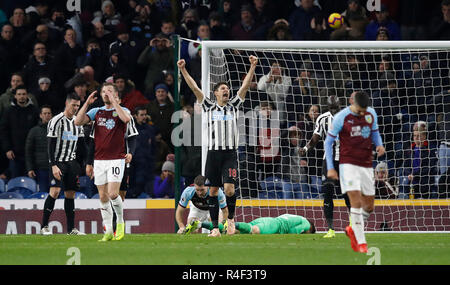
(284,224)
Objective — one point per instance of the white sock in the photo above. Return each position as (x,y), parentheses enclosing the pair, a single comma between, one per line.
(365,216)
(107,216)
(118,208)
(358,225)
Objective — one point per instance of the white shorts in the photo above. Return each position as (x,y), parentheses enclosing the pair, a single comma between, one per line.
(353,177)
(201,215)
(106,171)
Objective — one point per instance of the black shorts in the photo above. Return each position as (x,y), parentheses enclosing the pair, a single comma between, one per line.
(70,170)
(125,180)
(221,167)
(325,178)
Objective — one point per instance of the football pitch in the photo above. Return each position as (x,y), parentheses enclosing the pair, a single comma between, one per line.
(197,249)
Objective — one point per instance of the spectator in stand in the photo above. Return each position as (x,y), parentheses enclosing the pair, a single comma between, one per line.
(46,95)
(7,98)
(14,127)
(382,34)
(131,97)
(382,20)
(300,19)
(276,84)
(39,34)
(356,17)
(217,27)
(189,23)
(191,154)
(440,26)
(66,56)
(319,29)
(13,54)
(228,14)
(420,163)
(157,56)
(104,38)
(19,23)
(128,49)
(36,155)
(313,159)
(246,28)
(162,151)
(203,33)
(143,163)
(144,22)
(109,17)
(279,31)
(293,166)
(37,13)
(94,57)
(164,183)
(386,186)
(168,28)
(161,110)
(264,12)
(443,126)
(56,24)
(39,65)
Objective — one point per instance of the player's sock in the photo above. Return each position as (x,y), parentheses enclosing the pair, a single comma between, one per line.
(365,216)
(347,202)
(328,204)
(69,208)
(49,204)
(213,202)
(358,225)
(209,226)
(231,204)
(118,208)
(107,213)
(114,220)
(244,228)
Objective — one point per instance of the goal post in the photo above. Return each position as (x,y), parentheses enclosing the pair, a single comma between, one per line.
(408,82)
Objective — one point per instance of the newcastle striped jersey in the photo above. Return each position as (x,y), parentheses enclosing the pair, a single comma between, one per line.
(323,123)
(222,123)
(66,133)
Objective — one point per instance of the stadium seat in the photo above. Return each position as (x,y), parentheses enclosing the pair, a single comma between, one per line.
(79,195)
(272,188)
(2,186)
(38,195)
(96,196)
(10,195)
(22,185)
(86,185)
(143,195)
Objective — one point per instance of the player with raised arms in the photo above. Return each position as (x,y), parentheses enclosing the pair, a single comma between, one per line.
(223,141)
(110,123)
(357,128)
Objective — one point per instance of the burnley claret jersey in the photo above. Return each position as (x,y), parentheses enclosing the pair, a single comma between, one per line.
(355,136)
(109,133)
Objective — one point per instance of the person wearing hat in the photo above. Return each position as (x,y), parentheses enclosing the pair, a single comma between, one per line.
(386,186)
(382,20)
(164,183)
(46,95)
(157,56)
(161,110)
(131,97)
(246,27)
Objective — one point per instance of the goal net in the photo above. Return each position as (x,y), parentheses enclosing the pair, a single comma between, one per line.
(408,83)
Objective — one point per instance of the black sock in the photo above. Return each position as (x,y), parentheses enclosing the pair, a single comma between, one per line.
(213,203)
(328,206)
(231,204)
(347,202)
(49,204)
(114,220)
(69,208)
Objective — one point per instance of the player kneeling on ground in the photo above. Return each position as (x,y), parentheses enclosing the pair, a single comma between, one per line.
(197,195)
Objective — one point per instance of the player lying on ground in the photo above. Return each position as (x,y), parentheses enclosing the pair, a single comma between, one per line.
(197,195)
(284,224)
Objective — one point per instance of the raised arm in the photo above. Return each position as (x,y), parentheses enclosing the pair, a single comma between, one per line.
(190,81)
(81,118)
(249,77)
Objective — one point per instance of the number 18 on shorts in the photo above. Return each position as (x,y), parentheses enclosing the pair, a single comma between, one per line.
(106,171)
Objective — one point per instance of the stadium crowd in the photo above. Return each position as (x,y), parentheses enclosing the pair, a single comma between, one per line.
(47,52)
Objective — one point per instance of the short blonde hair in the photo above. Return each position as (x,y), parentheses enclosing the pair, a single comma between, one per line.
(420,126)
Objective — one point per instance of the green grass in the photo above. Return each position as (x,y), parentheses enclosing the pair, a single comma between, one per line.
(170,249)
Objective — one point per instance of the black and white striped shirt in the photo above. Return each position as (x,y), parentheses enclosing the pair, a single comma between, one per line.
(323,122)
(222,123)
(66,133)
